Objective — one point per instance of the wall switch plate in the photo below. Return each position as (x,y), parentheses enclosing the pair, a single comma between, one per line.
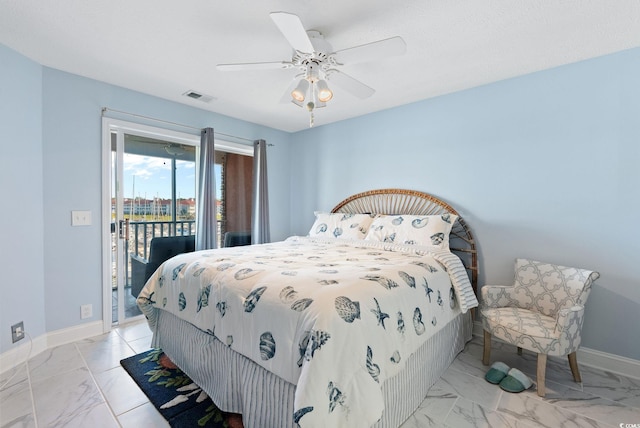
(17,332)
(86,311)
(80,218)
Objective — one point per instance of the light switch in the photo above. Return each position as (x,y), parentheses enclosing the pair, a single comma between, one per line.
(80,218)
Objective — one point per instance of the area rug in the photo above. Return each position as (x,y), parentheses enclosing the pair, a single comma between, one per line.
(178,399)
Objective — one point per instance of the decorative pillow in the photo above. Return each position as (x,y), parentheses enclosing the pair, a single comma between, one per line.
(341,225)
(425,230)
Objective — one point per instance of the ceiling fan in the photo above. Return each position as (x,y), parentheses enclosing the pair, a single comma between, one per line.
(319,63)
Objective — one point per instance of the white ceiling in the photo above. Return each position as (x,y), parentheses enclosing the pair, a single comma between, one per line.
(168,47)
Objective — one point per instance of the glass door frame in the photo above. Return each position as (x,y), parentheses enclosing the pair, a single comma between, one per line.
(121,127)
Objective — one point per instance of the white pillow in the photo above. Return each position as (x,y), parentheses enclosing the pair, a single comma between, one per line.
(341,225)
(424,230)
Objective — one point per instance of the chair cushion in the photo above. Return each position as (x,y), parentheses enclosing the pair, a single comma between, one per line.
(526,329)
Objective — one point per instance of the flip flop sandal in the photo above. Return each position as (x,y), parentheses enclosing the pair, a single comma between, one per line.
(515,381)
(497,372)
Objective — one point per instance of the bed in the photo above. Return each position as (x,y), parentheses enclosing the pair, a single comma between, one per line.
(346,327)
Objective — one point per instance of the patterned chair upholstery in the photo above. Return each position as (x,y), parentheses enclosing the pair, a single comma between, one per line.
(542,312)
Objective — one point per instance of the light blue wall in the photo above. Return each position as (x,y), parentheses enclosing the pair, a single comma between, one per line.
(51,126)
(72,177)
(543,166)
(21,209)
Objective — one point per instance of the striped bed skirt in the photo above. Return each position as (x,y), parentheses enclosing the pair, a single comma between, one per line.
(238,385)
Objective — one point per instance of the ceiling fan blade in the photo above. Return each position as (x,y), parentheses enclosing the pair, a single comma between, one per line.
(293,30)
(254,66)
(350,84)
(370,51)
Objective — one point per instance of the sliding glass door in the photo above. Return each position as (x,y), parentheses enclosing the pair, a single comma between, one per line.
(153,194)
(152,187)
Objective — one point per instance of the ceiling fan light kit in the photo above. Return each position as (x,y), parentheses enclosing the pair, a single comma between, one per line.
(174,150)
(324,93)
(299,93)
(315,57)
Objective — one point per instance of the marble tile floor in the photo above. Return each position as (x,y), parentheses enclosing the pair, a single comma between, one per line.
(83,385)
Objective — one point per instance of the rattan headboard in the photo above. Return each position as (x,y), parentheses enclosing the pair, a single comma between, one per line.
(410,202)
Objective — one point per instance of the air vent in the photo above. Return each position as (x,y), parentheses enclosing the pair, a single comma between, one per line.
(198,96)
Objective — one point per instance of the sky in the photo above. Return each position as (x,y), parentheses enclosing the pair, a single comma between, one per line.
(150,177)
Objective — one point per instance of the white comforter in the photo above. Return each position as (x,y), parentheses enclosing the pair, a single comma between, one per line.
(334,317)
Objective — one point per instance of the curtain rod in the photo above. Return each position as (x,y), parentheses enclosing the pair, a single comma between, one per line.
(105,109)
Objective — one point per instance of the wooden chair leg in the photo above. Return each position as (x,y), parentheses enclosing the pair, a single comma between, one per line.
(542,368)
(573,363)
(486,354)
(519,351)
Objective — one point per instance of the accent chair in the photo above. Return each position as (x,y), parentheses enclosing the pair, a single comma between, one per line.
(161,248)
(543,312)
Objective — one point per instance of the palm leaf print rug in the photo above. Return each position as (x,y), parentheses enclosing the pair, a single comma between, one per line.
(178,399)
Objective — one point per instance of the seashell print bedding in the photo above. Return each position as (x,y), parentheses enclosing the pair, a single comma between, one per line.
(334,317)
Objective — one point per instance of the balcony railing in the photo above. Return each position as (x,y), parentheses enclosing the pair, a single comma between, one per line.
(142,232)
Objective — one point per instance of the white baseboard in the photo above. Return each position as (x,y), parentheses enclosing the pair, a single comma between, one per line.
(16,356)
(609,362)
(72,334)
(593,358)
(34,346)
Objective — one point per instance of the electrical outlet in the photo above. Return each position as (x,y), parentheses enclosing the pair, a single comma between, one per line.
(17,332)
(86,311)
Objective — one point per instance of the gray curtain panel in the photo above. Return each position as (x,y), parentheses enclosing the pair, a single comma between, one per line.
(260,201)
(206,216)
